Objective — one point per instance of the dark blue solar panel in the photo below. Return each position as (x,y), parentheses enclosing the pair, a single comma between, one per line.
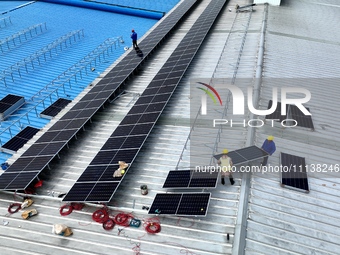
(177,179)
(295,174)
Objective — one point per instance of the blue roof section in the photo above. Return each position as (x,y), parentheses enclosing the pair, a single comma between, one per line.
(97,27)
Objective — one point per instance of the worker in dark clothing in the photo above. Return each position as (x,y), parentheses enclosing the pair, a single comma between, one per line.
(268,146)
(134,39)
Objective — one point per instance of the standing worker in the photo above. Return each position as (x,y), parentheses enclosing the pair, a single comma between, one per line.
(226,164)
(269,147)
(134,39)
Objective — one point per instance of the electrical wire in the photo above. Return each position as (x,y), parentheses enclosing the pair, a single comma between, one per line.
(101,215)
(13,205)
(152,225)
(69,209)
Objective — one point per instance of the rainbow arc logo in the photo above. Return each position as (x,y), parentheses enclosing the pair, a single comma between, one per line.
(210,91)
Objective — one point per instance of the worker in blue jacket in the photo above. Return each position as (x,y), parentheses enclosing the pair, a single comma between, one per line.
(268,146)
(134,39)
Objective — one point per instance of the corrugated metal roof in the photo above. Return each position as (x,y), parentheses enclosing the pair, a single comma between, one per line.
(299,44)
(301,51)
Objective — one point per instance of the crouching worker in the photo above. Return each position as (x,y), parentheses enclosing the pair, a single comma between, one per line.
(62,230)
(226,164)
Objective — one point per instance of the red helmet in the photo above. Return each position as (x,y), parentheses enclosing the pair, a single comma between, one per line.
(132,30)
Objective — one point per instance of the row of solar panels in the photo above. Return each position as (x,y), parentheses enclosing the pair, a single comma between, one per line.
(25,169)
(128,138)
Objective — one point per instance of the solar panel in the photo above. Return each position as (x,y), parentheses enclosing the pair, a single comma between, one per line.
(190,179)
(302,119)
(55,108)
(293,112)
(105,89)
(244,155)
(180,204)
(9,104)
(294,173)
(144,118)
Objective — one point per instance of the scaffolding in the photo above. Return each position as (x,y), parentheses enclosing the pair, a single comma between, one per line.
(41,55)
(24,35)
(51,91)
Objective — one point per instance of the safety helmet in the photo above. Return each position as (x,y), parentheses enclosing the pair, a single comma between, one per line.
(270,138)
(225,151)
(132,30)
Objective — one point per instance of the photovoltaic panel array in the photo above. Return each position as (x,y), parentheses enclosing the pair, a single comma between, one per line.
(190,179)
(128,138)
(57,137)
(245,155)
(295,175)
(181,204)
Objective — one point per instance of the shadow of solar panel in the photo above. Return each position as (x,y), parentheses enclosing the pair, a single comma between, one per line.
(142,129)
(194,204)
(178,179)
(138,109)
(296,176)
(133,142)
(302,119)
(79,192)
(125,155)
(200,179)
(165,204)
(102,192)
(104,157)
(114,143)
(122,130)
(130,119)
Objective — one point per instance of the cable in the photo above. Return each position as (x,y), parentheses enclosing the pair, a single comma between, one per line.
(152,225)
(109,224)
(122,219)
(69,209)
(11,206)
(100,215)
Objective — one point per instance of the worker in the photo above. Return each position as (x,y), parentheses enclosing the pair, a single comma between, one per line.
(134,39)
(226,165)
(269,147)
